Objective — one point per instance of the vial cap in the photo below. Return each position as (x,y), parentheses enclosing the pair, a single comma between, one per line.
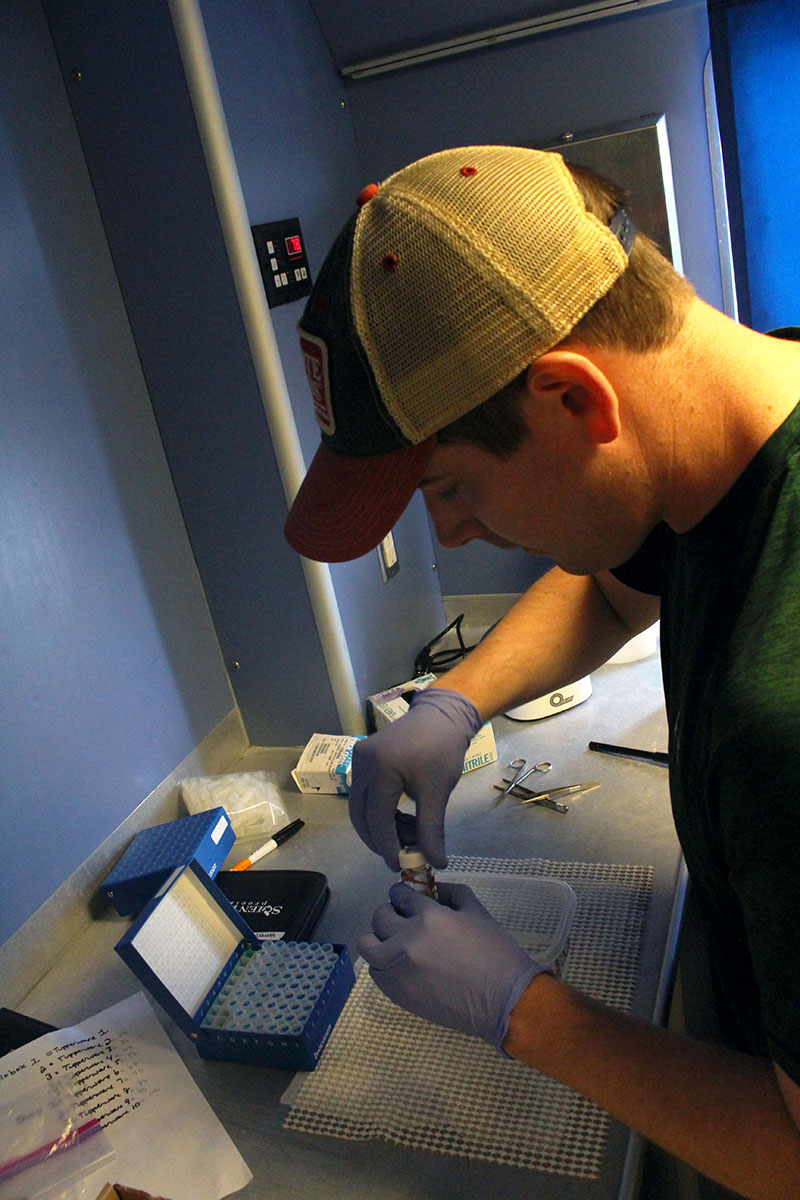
(412,858)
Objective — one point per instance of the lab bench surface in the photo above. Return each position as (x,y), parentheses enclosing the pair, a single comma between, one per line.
(626,820)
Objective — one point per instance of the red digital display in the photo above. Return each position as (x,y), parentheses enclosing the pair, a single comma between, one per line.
(293,245)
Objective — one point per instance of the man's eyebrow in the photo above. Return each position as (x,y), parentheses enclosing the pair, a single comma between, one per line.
(431,479)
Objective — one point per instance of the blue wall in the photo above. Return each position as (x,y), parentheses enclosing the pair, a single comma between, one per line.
(295,151)
(117,302)
(527,93)
(290,126)
(138,133)
(111,672)
(757,53)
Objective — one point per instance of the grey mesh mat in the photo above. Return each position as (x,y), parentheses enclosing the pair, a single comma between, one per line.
(472,1102)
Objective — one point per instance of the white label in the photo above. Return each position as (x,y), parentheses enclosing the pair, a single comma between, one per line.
(219,829)
(315,360)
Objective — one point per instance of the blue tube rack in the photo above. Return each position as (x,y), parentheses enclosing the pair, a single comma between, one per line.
(238,999)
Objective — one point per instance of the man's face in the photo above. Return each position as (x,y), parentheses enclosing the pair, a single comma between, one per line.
(549,504)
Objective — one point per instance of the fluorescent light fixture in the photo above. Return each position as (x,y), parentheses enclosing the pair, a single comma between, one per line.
(493,37)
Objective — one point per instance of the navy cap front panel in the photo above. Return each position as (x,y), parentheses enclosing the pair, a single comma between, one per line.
(347,401)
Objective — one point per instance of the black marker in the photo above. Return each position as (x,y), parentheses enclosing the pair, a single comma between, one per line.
(281,836)
(652,756)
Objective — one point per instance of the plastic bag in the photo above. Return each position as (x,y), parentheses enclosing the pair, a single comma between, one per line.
(250,798)
(47,1149)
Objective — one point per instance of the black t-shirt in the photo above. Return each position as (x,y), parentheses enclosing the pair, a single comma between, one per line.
(730,643)
(646,571)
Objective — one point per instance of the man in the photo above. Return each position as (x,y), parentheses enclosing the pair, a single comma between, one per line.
(490,328)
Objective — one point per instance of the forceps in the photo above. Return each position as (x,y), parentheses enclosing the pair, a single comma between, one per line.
(546,799)
(518,765)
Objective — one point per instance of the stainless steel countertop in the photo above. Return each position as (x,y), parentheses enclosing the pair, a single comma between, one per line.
(625,821)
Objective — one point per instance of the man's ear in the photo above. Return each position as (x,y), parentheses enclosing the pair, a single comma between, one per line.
(582,389)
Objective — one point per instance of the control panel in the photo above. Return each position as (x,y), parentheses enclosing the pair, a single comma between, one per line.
(282,258)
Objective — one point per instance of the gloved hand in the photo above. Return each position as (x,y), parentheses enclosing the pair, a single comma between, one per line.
(421,754)
(449,962)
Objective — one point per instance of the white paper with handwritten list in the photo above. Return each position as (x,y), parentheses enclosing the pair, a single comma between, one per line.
(125,1074)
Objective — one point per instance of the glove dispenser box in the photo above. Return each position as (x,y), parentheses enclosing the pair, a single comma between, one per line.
(239,999)
(385,707)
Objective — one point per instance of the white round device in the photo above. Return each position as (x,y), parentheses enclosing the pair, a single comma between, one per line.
(555,702)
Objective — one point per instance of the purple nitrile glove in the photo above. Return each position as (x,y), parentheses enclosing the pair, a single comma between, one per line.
(421,754)
(449,962)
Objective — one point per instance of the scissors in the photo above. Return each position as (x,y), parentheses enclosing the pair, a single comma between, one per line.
(546,799)
(518,765)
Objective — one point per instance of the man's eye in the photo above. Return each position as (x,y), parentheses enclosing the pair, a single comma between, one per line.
(449,493)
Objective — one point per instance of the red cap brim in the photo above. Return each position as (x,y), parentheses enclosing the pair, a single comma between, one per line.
(346,506)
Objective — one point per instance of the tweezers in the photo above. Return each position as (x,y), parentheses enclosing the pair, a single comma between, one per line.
(548,798)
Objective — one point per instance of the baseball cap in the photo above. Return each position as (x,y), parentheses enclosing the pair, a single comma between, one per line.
(455,273)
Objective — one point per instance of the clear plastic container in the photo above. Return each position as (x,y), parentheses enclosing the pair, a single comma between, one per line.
(536,910)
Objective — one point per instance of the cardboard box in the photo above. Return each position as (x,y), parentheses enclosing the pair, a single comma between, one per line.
(325,764)
(235,997)
(393,703)
(153,855)
(387,706)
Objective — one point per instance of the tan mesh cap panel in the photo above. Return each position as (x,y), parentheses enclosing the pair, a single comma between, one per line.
(466,266)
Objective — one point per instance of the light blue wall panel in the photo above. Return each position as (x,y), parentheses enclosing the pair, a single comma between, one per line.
(139,135)
(528,93)
(111,672)
(290,125)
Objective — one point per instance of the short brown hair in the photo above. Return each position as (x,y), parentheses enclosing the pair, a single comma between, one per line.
(643,310)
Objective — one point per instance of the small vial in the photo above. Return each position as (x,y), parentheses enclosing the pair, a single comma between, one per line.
(416,872)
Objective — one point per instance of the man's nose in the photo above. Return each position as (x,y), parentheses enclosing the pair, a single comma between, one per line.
(453,527)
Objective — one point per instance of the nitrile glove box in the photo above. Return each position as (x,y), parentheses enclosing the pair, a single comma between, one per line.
(153,855)
(325,766)
(239,999)
(385,707)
